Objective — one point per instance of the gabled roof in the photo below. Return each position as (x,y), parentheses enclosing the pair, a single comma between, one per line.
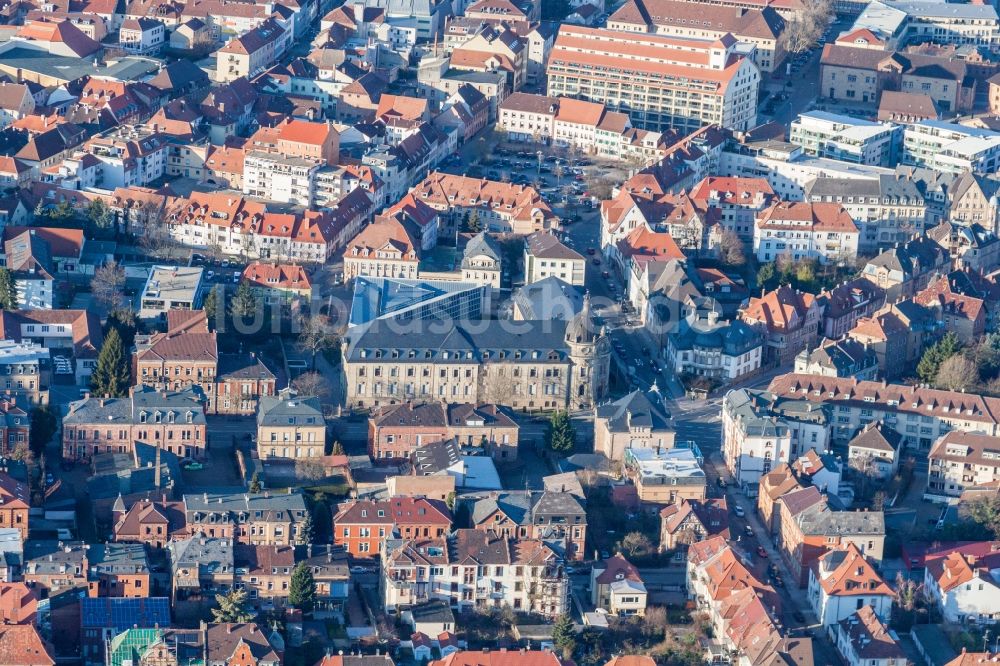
(846,572)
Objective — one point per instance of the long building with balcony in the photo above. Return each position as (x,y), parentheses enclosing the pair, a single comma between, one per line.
(474,569)
(660,82)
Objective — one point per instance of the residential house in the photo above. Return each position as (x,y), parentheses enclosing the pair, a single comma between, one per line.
(665,476)
(962,314)
(960,461)
(24,646)
(171,420)
(846,303)
(839,358)
(18,604)
(249,518)
(29,261)
(842,583)
(200,567)
(290,427)
(118,570)
(149,522)
(690,521)
(800,230)
(545,256)
(761,430)
(961,582)
(265,571)
(143,36)
(278,283)
(617,587)
(474,569)
(875,451)
(639,419)
(788,319)
(554,516)
(15,504)
(903,271)
(864,639)
(362,526)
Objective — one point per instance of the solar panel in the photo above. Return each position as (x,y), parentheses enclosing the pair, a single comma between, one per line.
(121,614)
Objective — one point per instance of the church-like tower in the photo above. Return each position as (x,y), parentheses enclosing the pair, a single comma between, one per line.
(590,352)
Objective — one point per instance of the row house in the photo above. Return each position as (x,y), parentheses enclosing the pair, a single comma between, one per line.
(904,270)
(278,283)
(761,430)
(789,320)
(396,431)
(800,230)
(971,247)
(474,569)
(865,639)
(889,209)
(585,126)
(742,610)
(846,303)
(963,314)
(919,415)
(500,207)
(808,528)
(118,570)
(200,568)
(151,522)
(691,521)
(265,572)
(638,202)
(171,420)
(362,526)
(898,334)
(15,426)
(247,518)
(553,516)
(55,567)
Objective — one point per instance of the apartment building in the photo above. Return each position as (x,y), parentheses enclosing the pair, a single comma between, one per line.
(916,21)
(863,639)
(638,419)
(363,526)
(920,415)
(252,52)
(962,583)
(396,431)
(661,82)
(960,461)
(172,420)
(247,518)
(143,36)
(500,207)
(758,29)
(845,138)
(25,372)
(801,230)
(889,210)
(185,355)
(536,365)
(553,515)
(903,271)
(474,569)
(388,248)
(950,147)
(665,476)
(761,430)
(129,155)
(281,178)
(788,319)
(617,587)
(839,358)
(118,570)
(546,256)
(571,123)
(290,427)
(78,331)
(738,200)
(286,284)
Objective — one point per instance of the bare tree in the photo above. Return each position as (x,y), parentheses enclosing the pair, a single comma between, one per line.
(957,373)
(312,384)
(311,470)
(108,285)
(316,336)
(731,249)
(150,221)
(804,30)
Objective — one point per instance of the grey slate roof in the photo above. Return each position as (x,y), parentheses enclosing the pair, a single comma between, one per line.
(461,343)
(638,408)
(549,298)
(288,410)
(144,400)
(242,507)
(208,555)
(733,338)
(481,244)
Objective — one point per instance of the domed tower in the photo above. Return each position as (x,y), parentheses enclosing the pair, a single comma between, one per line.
(590,354)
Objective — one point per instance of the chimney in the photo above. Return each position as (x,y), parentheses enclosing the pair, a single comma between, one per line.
(156,473)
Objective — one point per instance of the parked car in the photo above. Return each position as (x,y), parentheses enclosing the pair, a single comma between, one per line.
(762,552)
(738,510)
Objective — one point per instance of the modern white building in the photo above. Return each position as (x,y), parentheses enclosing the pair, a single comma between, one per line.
(950,147)
(546,256)
(761,431)
(170,288)
(276,177)
(916,21)
(845,138)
